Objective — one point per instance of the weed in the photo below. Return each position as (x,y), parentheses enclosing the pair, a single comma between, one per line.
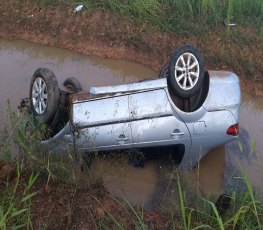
(181,15)
(244,212)
(14,205)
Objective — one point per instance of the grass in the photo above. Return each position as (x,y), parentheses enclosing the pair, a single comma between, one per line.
(177,15)
(180,15)
(134,24)
(245,212)
(15,206)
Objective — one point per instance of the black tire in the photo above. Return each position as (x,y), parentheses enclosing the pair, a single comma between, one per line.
(137,158)
(187,79)
(72,85)
(164,71)
(176,154)
(44,104)
(61,116)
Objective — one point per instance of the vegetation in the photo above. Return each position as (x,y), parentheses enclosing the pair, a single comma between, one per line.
(149,31)
(238,210)
(244,212)
(15,204)
(182,15)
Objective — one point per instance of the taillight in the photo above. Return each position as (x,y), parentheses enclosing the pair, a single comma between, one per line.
(233,130)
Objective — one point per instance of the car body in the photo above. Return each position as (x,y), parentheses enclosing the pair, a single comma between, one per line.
(187,110)
(148,115)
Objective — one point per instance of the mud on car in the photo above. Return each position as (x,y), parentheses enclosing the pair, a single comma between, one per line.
(187,109)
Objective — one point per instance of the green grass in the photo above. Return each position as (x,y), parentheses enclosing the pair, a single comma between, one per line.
(15,205)
(176,15)
(180,15)
(245,212)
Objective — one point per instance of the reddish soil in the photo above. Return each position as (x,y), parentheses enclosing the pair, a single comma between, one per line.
(59,205)
(106,34)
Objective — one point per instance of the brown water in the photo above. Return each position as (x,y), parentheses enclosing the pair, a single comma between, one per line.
(155,183)
(249,153)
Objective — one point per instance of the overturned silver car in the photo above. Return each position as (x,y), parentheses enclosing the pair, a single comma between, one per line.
(188,110)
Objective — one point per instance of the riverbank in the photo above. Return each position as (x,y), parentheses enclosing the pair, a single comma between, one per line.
(42,199)
(103,33)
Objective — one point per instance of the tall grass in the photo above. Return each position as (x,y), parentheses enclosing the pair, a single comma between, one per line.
(15,212)
(245,211)
(180,14)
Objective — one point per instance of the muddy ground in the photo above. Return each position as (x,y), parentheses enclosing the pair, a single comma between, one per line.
(60,204)
(106,34)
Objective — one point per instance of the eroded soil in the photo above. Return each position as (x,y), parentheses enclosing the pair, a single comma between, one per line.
(60,205)
(106,34)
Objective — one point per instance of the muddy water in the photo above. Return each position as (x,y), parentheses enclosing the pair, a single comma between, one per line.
(248,153)
(155,183)
(18,61)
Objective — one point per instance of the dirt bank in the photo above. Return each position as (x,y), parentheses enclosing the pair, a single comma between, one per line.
(105,34)
(60,205)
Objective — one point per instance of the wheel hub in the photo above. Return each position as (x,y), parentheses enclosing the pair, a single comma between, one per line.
(187,71)
(39,95)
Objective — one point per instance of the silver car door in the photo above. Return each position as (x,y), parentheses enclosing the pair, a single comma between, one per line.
(153,121)
(103,123)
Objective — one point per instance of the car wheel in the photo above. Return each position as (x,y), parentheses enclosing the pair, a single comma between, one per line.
(72,85)
(186,71)
(44,95)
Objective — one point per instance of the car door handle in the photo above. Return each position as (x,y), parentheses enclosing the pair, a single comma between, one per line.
(122,138)
(177,134)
